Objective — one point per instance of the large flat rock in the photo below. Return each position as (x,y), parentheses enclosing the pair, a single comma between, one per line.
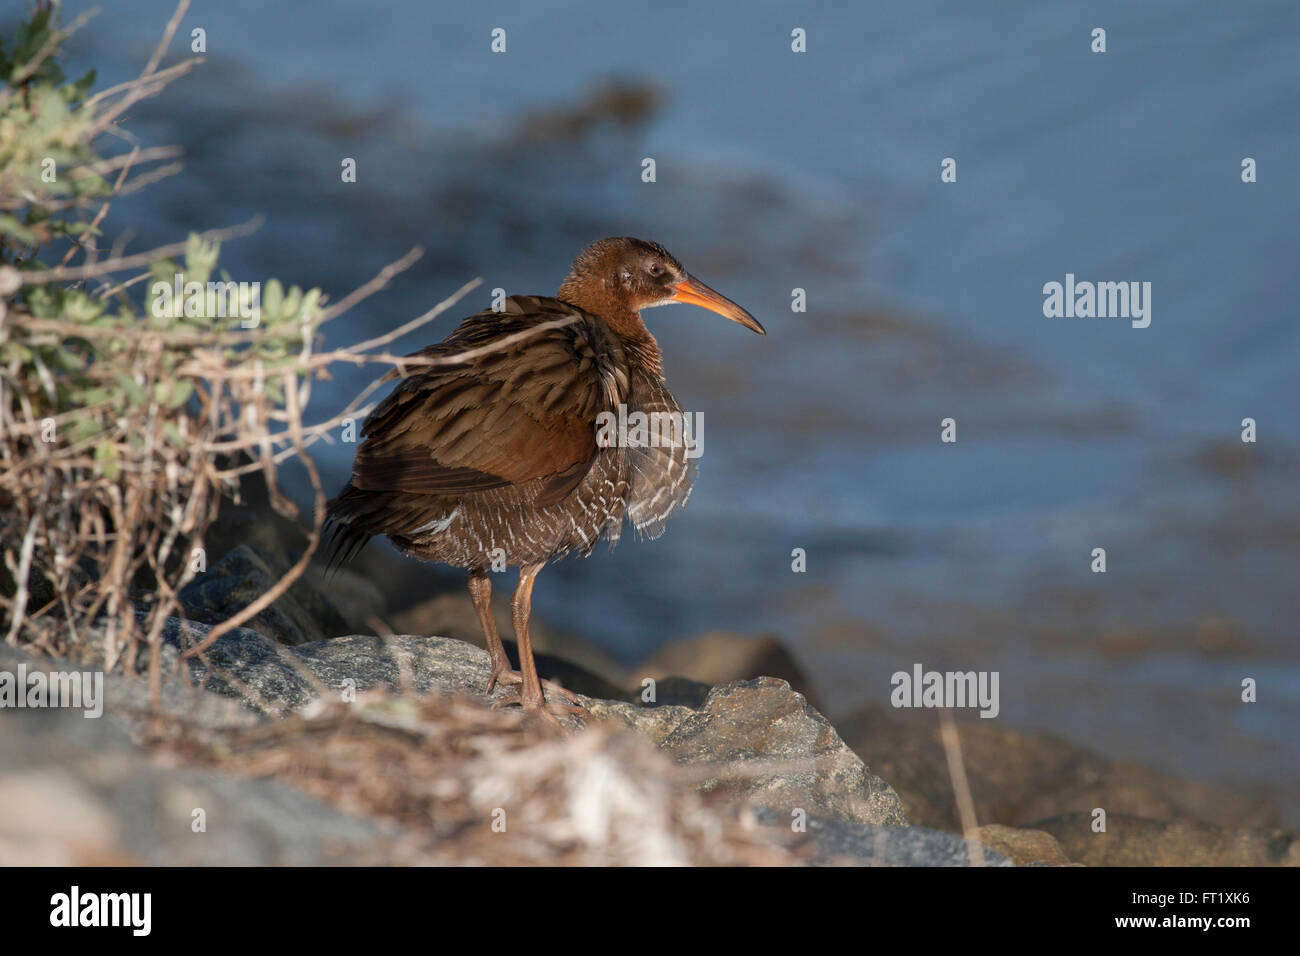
(755,739)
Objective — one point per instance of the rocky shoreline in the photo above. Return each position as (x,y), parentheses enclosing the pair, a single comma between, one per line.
(297,746)
(752,758)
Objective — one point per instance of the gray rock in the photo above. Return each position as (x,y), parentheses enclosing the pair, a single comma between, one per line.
(839,842)
(126,699)
(76,791)
(681,691)
(770,747)
(719,657)
(271,678)
(559,655)
(1024,847)
(311,610)
(755,742)
(755,739)
(1133,841)
(240,578)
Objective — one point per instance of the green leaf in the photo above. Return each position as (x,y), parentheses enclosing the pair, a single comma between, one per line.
(77,91)
(275,389)
(82,428)
(272,300)
(200,258)
(94,395)
(134,393)
(181,391)
(79,307)
(310,304)
(106,458)
(74,229)
(11,227)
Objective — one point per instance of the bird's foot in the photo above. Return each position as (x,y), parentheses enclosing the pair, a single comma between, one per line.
(548,710)
(551,710)
(507,675)
(502,673)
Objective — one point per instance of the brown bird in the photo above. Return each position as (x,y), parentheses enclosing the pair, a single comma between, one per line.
(491,454)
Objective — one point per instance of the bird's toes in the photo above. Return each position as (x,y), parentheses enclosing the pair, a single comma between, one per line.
(576,710)
(568,697)
(549,710)
(504,675)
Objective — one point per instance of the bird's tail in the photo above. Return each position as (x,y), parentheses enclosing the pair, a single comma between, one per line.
(341,541)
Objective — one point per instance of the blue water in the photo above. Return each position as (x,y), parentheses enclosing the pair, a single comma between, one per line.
(821,171)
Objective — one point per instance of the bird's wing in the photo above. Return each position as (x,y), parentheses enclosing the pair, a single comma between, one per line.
(514,397)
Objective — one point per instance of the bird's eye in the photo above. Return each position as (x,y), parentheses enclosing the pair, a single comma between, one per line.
(656,269)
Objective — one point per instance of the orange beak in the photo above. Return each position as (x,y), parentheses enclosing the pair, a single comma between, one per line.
(694,292)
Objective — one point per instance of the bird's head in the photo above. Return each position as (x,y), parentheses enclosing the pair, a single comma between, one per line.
(637,275)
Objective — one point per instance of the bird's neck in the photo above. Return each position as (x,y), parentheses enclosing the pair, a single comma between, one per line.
(641,348)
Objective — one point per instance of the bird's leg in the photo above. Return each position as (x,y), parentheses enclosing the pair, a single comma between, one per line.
(530,696)
(480,591)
